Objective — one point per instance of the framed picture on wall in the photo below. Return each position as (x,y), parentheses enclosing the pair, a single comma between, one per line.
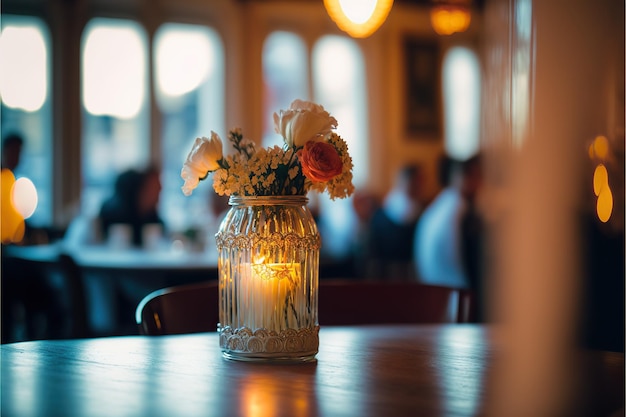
(423,91)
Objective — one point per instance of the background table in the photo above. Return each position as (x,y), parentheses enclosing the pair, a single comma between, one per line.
(409,370)
(102,285)
(116,280)
(102,258)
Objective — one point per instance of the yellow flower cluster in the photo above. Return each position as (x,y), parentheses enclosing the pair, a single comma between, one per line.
(256,174)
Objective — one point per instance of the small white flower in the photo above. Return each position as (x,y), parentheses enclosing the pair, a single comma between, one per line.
(203,158)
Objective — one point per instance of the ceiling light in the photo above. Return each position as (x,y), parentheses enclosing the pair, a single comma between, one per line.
(358,18)
(449,18)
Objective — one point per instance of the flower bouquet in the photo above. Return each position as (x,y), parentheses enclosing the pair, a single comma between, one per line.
(313,157)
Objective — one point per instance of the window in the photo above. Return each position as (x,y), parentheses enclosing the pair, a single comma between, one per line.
(189,74)
(340,87)
(115,112)
(285,77)
(461,95)
(25,92)
(339,84)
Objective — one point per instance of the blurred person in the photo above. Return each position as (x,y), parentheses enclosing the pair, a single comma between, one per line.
(133,209)
(364,204)
(392,226)
(448,245)
(134,203)
(12,145)
(17,229)
(473,236)
(33,302)
(12,223)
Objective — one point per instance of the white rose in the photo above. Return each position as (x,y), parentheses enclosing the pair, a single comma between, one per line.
(203,158)
(304,121)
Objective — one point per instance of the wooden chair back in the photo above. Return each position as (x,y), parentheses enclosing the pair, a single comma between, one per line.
(188,308)
(345,302)
(193,308)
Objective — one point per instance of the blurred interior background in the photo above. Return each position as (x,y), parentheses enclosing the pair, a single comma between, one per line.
(98,87)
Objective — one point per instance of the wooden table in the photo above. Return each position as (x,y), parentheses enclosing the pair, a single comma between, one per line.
(408,370)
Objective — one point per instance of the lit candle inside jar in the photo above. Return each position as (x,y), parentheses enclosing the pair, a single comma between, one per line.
(271,293)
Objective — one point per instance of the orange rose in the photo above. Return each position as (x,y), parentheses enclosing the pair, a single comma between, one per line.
(320,161)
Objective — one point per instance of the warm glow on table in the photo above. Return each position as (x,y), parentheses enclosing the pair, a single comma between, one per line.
(409,370)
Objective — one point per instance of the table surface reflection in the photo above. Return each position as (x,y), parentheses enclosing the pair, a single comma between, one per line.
(401,370)
(408,370)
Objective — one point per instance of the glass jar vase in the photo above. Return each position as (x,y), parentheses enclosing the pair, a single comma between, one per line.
(268,261)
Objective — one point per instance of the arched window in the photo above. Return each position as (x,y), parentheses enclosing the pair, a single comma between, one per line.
(115,111)
(26,110)
(189,87)
(285,75)
(339,84)
(461,95)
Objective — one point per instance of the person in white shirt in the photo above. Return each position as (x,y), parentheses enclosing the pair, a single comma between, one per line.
(447,240)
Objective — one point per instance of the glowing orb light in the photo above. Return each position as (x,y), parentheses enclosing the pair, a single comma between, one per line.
(24,197)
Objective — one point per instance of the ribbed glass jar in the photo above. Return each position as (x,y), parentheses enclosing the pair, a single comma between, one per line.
(268,261)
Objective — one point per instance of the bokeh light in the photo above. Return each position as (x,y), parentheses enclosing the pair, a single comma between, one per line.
(600,179)
(24,197)
(599,150)
(604,205)
(601,147)
(449,19)
(358,11)
(358,18)
(602,189)
(12,224)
